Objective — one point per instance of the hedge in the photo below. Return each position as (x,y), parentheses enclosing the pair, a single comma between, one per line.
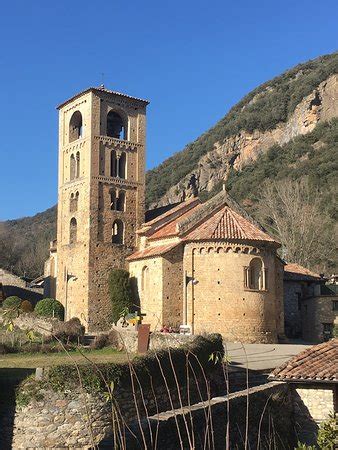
(147,368)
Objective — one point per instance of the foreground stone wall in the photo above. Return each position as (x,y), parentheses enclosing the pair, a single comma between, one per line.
(204,425)
(79,419)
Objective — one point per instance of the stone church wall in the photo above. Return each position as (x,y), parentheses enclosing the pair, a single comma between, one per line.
(218,300)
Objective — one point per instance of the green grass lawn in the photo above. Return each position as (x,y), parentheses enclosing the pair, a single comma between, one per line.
(33,360)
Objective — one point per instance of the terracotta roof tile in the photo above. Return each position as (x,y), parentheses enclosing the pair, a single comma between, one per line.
(228,224)
(318,363)
(151,252)
(297,272)
(172,212)
(170,229)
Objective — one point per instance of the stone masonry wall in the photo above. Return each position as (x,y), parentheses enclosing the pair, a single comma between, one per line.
(203,425)
(312,405)
(59,419)
(220,302)
(315,312)
(89,260)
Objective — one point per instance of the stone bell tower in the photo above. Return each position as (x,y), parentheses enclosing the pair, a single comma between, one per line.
(100,197)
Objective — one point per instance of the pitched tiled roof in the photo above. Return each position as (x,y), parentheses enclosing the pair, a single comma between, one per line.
(297,272)
(100,89)
(150,252)
(175,212)
(171,227)
(318,363)
(228,224)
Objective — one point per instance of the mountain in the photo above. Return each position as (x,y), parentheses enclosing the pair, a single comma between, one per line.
(284,129)
(274,113)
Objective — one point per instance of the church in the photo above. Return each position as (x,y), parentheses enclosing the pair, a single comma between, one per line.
(207,266)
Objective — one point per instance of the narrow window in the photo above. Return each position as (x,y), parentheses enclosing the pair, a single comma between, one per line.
(72,168)
(77,171)
(145,279)
(73,231)
(75,126)
(115,126)
(122,165)
(113,164)
(117,232)
(71,203)
(120,204)
(113,199)
(76,201)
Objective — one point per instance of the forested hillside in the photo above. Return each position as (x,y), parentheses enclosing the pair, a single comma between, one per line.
(262,109)
(282,134)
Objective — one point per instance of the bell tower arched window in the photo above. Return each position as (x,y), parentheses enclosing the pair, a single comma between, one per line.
(73,204)
(115,126)
(75,126)
(117,232)
(113,164)
(72,168)
(77,171)
(112,199)
(72,231)
(122,165)
(120,203)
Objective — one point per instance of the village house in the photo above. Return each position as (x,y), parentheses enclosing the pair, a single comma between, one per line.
(313,379)
(310,304)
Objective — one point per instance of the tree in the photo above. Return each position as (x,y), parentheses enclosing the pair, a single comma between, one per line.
(293,213)
(49,307)
(120,292)
(12,302)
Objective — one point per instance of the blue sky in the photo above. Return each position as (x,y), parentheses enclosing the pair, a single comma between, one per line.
(193,60)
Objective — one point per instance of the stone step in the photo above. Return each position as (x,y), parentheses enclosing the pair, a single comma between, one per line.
(88,339)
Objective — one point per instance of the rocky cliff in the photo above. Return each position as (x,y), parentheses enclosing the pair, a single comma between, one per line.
(243,148)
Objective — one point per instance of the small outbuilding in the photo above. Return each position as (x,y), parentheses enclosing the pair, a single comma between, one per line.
(312,376)
(310,305)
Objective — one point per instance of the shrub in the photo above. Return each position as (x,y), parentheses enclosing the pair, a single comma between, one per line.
(100,341)
(327,433)
(147,368)
(120,292)
(70,331)
(114,339)
(26,306)
(12,302)
(4,349)
(49,307)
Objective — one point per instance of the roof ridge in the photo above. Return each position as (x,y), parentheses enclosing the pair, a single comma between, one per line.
(235,219)
(207,209)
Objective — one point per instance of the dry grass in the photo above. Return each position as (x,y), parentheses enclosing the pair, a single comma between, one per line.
(33,360)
